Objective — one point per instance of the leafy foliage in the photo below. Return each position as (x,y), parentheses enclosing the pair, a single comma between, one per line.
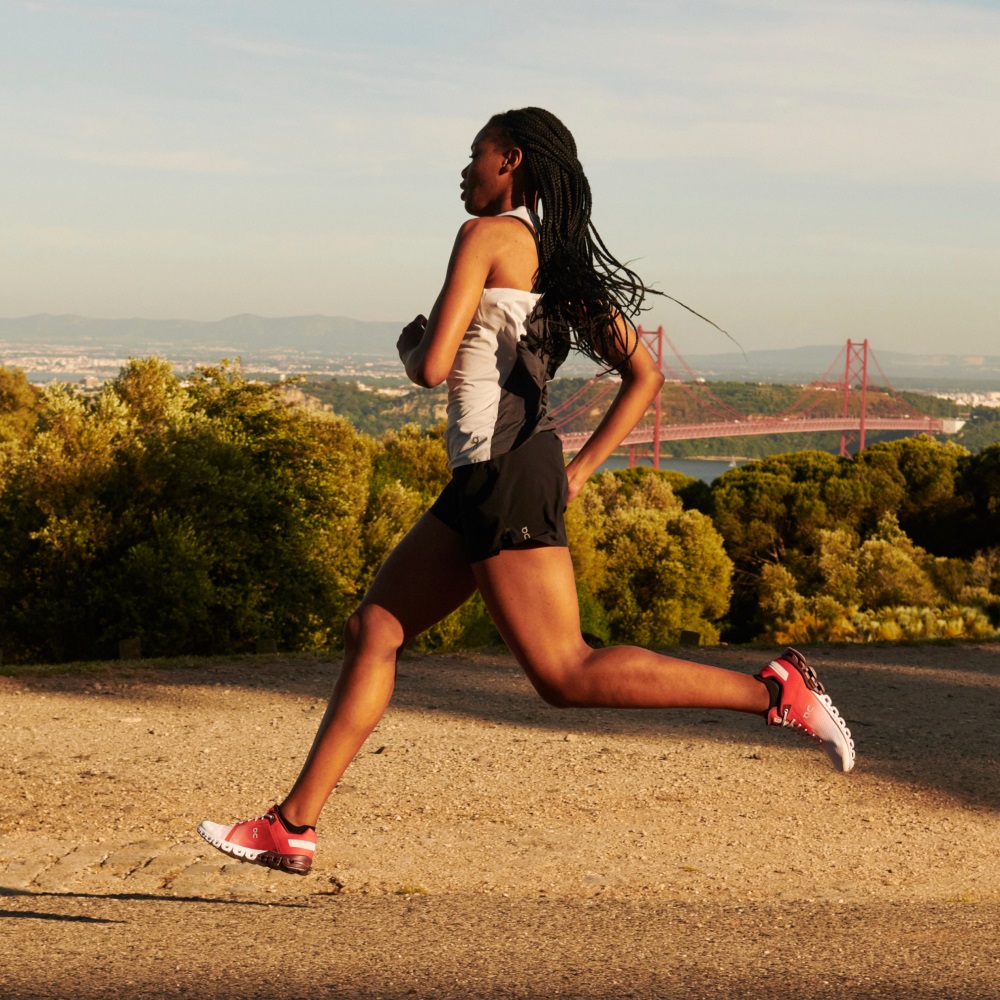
(373,411)
(203,515)
(19,405)
(819,543)
(981,430)
(979,486)
(654,567)
(196,519)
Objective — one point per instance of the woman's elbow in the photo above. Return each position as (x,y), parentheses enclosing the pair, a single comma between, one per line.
(643,386)
(427,376)
(649,382)
(421,370)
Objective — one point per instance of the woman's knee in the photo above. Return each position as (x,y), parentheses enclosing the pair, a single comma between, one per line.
(559,678)
(552,692)
(372,629)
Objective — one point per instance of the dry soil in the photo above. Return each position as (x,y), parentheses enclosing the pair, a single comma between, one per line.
(486,845)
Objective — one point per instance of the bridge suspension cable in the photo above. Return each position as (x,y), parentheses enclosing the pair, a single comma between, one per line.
(853,421)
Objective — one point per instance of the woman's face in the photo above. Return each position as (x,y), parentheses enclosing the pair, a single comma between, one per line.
(487,179)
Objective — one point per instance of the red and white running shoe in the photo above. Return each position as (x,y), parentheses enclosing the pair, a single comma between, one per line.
(264,841)
(803,704)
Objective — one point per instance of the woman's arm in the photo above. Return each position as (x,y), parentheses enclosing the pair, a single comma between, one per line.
(427,347)
(640,384)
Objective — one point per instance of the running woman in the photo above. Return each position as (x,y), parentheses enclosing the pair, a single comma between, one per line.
(519,293)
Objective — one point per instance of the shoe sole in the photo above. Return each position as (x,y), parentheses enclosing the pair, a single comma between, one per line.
(294,864)
(795,659)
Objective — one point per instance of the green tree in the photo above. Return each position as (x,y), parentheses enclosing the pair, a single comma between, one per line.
(19,406)
(655,568)
(914,478)
(197,519)
(414,458)
(890,570)
(693,493)
(838,566)
(773,512)
(813,514)
(979,483)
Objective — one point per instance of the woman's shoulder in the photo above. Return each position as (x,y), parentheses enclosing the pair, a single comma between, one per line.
(493,226)
(496,236)
(500,247)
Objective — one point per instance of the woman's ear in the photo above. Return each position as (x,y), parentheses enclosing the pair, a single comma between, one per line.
(513,158)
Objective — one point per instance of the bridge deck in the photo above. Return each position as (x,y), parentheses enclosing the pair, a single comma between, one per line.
(745,428)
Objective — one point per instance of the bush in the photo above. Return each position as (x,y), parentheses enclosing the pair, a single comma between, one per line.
(197,519)
(201,516)
(825,621)
(19,405)
(654,568)
(900,525)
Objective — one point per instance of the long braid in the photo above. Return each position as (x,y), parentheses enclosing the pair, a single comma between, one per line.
(584,285)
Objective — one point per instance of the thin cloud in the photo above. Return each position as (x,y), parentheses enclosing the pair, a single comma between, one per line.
(191,161)
(89,12)
(766,160)
(39,237)
(874,90)
(267,48)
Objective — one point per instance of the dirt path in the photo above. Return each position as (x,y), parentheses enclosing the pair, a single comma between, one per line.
(486,845)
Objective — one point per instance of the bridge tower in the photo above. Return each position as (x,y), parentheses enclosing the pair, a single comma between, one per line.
(855,369)
(653,340)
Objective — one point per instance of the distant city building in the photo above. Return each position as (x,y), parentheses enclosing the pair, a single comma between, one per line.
(971,398)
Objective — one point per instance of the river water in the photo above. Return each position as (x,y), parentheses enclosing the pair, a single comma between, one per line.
(705,469)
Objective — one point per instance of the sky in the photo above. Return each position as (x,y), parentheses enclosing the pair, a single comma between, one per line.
(802,172)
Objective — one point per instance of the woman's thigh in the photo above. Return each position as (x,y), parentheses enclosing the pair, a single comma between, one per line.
(424,578)
(530,593)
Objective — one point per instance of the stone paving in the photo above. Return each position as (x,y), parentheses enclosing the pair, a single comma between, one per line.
(142,867)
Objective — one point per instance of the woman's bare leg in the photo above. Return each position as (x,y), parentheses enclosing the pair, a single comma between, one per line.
(531,596)
(425,578)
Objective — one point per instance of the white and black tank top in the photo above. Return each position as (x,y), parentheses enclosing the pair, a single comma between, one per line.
(497,384)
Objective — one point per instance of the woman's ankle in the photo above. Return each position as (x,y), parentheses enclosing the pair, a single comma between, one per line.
(295,820)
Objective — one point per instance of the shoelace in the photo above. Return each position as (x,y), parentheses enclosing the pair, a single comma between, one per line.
(792,724)
(269,817)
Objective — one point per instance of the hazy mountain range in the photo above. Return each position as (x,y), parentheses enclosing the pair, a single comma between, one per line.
(333,337)
(326,334)
(803,364)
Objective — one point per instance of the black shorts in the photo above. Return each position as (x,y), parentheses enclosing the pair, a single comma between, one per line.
(509,500)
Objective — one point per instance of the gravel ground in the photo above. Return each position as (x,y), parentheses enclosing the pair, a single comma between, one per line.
(484,844)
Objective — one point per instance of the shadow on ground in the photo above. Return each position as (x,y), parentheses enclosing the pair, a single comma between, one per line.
(925,715)
(152,897)
(462,946)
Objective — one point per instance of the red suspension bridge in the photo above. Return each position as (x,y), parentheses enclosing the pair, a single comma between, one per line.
(843,388)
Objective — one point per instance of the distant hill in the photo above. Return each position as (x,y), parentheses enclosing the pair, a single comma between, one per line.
(327,334)
(805,364)
(342,337)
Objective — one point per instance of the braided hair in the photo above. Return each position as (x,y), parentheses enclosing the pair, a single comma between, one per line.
(584,286)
